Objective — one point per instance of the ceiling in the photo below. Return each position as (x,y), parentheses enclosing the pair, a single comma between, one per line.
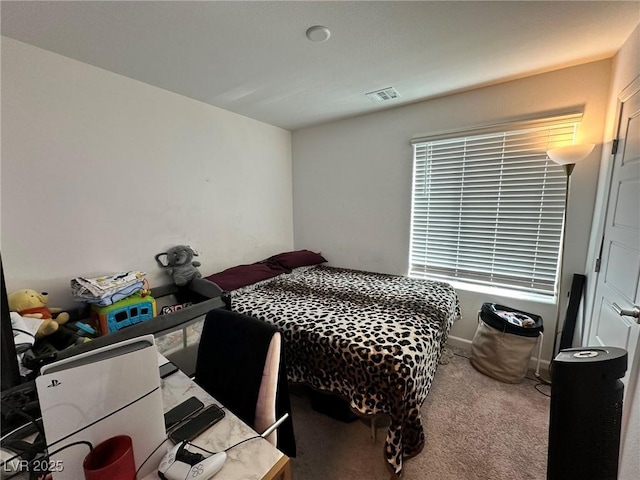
(253,58)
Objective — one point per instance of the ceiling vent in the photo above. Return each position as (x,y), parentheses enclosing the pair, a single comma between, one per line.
(383,95)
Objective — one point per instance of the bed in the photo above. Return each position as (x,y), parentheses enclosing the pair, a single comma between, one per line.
(373,339)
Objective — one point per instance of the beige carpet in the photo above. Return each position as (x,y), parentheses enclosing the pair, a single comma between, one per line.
(477,428)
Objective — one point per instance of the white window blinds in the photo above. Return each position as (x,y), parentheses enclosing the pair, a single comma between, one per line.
(488,206)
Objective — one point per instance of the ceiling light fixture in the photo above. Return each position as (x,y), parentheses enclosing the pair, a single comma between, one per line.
(318,33)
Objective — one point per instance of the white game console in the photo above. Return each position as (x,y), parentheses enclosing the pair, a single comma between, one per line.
(109,391)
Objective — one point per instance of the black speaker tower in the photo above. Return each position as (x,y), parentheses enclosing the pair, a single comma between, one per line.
(586,413)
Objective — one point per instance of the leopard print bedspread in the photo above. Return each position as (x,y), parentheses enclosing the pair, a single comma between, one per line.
(371,338)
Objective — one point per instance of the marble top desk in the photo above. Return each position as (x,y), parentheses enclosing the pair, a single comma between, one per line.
(253,460)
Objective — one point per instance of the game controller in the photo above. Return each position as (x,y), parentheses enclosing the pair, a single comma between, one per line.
(179,463)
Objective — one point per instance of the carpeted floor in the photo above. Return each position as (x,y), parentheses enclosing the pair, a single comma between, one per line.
(477,428)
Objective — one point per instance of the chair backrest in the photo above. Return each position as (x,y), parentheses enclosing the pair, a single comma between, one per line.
(266,406)
(238,363)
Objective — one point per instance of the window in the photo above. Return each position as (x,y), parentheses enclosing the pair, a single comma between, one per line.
(488,205)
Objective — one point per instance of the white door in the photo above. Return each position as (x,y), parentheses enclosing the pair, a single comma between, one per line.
(617,295)
(618,285)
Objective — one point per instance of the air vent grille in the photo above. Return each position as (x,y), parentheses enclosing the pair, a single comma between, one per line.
(383,95)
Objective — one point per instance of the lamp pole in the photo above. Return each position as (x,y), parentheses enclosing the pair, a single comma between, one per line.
(568,169)
(566,156)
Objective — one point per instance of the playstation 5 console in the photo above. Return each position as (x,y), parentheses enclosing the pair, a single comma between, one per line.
(110,391)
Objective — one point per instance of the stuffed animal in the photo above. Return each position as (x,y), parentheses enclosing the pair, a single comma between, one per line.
(30,304)
(180,264)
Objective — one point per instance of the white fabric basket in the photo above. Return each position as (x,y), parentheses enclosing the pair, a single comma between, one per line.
(501,355)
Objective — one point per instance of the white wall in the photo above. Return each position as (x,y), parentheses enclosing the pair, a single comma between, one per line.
(101,172)
(352,178)
(625,68)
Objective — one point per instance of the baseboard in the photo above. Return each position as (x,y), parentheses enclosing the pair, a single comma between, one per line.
(459,342)
(465,344)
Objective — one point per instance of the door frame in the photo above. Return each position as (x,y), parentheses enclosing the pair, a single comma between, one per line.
(602,207)
(590,298)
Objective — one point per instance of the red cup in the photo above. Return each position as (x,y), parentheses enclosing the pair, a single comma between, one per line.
(111,460)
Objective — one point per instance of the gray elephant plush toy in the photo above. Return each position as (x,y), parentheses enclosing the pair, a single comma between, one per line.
(180,264)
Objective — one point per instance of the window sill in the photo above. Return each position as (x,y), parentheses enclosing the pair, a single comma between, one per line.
(502,292)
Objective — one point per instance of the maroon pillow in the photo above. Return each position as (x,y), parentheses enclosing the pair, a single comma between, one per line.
(298,258)
(243,275)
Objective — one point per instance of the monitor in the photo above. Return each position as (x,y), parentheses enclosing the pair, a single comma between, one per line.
(10,368)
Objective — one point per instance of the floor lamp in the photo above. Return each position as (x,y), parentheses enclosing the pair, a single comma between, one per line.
(567,157)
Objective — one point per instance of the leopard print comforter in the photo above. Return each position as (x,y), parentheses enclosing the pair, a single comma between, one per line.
(373,339)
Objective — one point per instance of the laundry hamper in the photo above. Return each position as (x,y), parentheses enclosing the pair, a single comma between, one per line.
(503,342)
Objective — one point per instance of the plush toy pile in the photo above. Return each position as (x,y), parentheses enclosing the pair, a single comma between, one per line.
(32,319)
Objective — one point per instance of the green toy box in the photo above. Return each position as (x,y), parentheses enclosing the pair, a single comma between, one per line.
(134,309)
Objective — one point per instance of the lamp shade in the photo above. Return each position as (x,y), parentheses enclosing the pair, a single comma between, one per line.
(570,154)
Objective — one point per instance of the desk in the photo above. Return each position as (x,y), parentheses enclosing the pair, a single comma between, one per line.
(253,460)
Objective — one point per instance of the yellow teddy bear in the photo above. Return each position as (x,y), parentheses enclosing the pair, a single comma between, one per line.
(32,304)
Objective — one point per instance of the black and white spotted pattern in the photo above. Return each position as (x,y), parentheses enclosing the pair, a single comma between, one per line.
(370,338)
